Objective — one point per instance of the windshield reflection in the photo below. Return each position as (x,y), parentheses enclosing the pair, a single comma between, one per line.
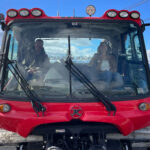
(108,54)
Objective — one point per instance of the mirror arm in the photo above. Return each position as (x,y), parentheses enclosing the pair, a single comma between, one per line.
(144,25)
(3,25)
(2,21)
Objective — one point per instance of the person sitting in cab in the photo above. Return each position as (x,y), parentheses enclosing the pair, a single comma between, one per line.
(38,62)
(106,65)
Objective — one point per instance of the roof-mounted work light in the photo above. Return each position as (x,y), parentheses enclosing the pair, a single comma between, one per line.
(36,12)
(24,13)
(135,15)
(90,10)
(123,14)
(12,13)
(111,13)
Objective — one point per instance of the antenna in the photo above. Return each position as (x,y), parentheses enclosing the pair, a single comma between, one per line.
(58,5)
(74,12)
(57,13)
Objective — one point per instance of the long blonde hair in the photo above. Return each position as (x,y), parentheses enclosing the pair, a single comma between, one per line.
(108,48)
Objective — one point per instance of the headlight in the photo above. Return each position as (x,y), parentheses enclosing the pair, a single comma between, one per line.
(144,106)
(4,108)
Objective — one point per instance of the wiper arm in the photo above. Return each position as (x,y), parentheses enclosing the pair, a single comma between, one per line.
(35,101)
(89,85)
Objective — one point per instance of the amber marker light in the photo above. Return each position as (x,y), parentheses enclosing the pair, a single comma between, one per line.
(4,108)
(144,106)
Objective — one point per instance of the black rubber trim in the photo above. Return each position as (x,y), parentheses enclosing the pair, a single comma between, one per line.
(74,99)
(78,19)
(75,127)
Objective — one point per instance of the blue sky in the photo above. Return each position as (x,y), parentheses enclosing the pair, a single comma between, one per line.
(65,8)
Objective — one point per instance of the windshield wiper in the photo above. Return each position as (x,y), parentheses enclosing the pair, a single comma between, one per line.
(88,84)
(35,101)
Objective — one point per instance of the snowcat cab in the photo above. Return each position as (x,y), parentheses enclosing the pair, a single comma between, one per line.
(76,82)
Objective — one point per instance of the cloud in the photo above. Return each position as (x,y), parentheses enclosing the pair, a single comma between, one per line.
(81,49)
(81,42)
(87,52)
(56,46)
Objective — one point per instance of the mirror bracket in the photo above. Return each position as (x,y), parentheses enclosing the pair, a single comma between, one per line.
(144,25)
(3,25)
(2,21)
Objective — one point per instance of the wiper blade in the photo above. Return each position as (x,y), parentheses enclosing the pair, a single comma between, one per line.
(35,101)
(89,85)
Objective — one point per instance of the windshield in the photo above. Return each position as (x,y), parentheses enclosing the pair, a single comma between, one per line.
(108,54)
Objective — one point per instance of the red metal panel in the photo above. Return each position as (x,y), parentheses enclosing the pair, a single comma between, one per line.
(22,118)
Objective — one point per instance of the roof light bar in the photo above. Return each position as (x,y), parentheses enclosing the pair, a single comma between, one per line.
(111,14)
(36,12)
(124,14)
(12,13)
(135,15)
(24,12)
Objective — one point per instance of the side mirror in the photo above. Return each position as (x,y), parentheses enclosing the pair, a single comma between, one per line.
(2,19)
